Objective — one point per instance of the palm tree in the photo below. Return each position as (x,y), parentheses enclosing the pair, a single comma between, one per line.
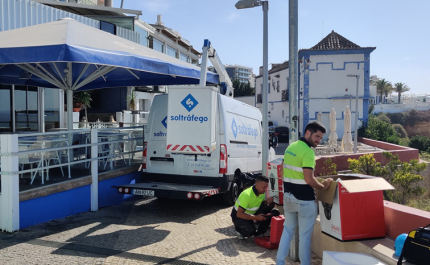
(383,87)
(400,88)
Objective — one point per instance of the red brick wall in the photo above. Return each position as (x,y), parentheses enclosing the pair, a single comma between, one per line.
(401,219)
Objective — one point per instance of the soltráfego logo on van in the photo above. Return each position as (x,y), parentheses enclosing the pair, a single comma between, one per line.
(243,129)
(189,103)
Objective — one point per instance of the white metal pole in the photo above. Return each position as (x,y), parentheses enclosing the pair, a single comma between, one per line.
(356,116)
(69,110)
(293,71)
(94,171)
(9,183)
(264,93)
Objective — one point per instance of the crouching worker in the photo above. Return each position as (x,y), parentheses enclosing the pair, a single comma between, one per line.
(251,208)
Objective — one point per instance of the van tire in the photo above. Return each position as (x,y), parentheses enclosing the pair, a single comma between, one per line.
(232,194)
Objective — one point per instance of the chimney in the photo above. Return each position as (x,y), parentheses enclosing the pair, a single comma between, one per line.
(159,22)
(260,72)
(108,3)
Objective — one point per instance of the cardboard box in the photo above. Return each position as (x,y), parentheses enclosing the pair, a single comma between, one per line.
(352,207)
(276,183)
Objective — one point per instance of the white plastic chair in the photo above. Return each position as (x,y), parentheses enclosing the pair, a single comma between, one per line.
(55,156)
(30,159)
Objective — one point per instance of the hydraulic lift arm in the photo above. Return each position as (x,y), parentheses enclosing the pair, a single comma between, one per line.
(210,53)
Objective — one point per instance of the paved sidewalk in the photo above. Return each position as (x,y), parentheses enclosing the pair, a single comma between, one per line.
(146,231)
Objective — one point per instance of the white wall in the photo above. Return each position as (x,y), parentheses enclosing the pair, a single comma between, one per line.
(250,100)
(397,108)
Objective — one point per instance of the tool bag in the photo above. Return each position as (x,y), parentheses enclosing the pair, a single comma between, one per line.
(416,249)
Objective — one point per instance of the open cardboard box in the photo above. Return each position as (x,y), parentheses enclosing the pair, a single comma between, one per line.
(352,207)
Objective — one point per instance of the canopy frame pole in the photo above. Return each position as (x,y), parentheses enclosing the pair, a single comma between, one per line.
(80,75)
(48,73)
(131,72)
(59,74)
(1,66)
(104,78)
(31,69)
(96,74)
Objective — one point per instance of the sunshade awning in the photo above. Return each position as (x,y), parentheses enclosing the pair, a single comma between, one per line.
(72,56)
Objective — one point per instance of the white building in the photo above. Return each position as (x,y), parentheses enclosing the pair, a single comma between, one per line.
(238,72)
(323,83)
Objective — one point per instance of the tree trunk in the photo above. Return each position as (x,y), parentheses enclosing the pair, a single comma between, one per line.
(400,94)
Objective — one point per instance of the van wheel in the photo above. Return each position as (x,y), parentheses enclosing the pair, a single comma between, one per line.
(232,194)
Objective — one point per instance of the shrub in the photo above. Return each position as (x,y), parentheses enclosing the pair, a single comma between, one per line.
(420,142)
(381,131)
(329,168)
(401,132)
(404,176)
(371,108)
(397,118)
(383,117)
(404,142)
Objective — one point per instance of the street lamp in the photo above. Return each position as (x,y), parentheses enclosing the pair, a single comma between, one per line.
(265,135)
(356,112)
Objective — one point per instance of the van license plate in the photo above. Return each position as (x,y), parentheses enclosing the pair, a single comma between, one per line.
(143,192)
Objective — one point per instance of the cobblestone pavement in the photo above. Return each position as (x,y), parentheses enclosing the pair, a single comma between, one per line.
(145,231)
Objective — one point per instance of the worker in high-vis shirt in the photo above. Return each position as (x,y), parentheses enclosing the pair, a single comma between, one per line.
(251,207)
(300,183)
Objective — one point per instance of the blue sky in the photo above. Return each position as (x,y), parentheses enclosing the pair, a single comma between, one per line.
(398,29)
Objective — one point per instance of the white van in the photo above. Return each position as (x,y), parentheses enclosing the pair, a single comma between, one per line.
(197,144)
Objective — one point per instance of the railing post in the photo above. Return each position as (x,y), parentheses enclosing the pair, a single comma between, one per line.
(94,171)
(9,183)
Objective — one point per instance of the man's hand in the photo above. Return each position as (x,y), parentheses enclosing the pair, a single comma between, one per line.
(327,183)
(260,217)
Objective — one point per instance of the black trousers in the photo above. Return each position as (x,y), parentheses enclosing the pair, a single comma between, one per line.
(247,227)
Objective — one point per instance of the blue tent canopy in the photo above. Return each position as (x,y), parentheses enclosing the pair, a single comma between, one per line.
(72,56)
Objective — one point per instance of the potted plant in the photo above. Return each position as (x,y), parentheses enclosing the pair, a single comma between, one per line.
(131,100)
(84,98)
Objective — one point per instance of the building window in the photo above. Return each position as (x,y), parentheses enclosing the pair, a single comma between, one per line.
(156,44)
(172,52)
(108,27)
(184,57)
(268,88)
(143,36)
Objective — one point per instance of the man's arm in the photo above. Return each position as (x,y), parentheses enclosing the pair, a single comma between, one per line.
(313,182)
(242,215)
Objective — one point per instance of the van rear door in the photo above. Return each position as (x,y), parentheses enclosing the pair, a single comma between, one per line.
(158,159)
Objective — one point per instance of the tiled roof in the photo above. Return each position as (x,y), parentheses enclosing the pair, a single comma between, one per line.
(276,68)
(335,41)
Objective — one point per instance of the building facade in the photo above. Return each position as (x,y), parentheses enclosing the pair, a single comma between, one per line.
(323,84)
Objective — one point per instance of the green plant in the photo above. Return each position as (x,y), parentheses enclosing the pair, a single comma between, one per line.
(380,131)
(420,142)
(404,142)
(423,204)
(401,132)
(365,164)
(404,176)
(425,156)
(243,89)
(399,88)
(383,117)
(329,168)
(84,97)
(131,100)
(397,118)
(383,87)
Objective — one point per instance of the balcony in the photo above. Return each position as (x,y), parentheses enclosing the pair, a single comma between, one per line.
(259,98)
(285,95)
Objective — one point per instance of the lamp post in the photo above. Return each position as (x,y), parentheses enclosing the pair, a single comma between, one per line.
(265,135)
(356,112)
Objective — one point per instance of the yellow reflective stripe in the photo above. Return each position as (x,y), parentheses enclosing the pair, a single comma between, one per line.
(295,181)
(298,169)
(412,234)
(252,209)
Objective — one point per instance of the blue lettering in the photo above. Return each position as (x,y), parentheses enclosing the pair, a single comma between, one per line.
(181,117)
